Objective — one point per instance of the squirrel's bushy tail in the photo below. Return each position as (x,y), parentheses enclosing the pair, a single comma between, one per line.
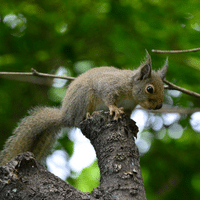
(35,133)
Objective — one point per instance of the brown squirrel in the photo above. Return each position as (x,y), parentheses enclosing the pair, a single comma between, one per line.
(98,88)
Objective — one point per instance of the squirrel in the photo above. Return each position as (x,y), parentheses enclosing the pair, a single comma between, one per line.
(100,88)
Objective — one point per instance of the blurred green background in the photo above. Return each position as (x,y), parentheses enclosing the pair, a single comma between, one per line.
(80,34)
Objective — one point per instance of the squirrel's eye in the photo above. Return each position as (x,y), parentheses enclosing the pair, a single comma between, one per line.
(149,89)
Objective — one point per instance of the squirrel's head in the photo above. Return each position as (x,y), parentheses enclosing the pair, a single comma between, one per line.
(148,90)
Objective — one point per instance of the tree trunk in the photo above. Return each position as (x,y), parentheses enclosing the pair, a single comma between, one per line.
(118,158)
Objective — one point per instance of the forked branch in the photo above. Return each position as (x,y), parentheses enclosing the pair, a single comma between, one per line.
(35,73)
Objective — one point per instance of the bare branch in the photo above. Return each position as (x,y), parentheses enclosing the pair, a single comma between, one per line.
(166,109)
(175,51)
(172,86)
(35,73)
(51,75)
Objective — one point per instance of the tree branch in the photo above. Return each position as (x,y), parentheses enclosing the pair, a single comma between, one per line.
(117,155)
(25,178)
(175,51)
(118,158)
(35,73)
(165,109)
(172,86)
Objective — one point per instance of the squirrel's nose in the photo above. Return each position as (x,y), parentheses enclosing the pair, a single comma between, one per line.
(158,107)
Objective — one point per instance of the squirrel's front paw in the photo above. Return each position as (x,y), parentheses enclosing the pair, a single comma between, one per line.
(118,111)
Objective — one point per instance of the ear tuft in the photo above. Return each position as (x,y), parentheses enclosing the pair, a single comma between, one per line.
(164,69)
(148,57)
(144,70)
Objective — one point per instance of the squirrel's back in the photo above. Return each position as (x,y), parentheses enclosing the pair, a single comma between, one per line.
(85,94)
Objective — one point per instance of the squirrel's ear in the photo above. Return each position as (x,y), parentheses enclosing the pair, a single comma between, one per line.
(163,71)
(144,70)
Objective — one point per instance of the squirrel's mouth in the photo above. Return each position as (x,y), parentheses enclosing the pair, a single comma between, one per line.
(156,107)
(148,106)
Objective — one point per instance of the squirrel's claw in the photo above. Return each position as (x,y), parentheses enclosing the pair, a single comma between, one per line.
(88,115)
(118,111)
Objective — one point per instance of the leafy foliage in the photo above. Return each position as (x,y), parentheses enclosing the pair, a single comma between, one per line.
(78,35)
(88,178)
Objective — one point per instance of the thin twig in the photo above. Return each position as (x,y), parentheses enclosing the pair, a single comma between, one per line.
(165,109)
(50,75)
(172,86)
(36,73)
(175,51)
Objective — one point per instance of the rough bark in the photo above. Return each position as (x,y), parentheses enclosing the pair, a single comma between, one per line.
(118,156)
(24,178)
